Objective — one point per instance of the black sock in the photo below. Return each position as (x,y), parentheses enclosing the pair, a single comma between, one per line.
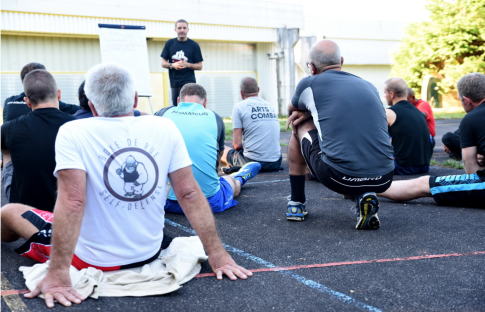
(297,184)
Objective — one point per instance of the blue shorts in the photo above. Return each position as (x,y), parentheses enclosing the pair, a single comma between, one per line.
(220,201)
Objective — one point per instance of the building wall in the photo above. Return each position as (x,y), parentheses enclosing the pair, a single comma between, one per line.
(375,74)
(225,64)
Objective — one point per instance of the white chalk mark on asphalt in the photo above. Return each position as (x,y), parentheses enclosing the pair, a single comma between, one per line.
(317,286)
(272,181)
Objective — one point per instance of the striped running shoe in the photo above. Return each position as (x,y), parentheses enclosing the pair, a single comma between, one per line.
(368,205)
(296,211)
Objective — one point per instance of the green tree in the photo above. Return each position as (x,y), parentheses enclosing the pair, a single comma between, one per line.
(448,45)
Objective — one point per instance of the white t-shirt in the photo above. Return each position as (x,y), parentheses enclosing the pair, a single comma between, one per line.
(127,161)
(261,129)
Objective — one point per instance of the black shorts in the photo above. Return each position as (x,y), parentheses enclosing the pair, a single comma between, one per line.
(466,190)
(334,179)
(237,159)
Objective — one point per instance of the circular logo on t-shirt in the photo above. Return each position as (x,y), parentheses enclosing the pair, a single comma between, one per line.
(131,174)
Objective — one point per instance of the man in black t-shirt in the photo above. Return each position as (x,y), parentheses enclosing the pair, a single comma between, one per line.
(14,107)
(467,190)
(408,128)
(30,140)
(181,56)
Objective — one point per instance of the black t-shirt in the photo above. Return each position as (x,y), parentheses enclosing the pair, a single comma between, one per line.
(410,136)
(472,129)
(350,120)
(15,107)
(175,51)
(30,140)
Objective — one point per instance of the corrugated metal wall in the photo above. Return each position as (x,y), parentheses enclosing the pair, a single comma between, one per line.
(225,64)
(49,23)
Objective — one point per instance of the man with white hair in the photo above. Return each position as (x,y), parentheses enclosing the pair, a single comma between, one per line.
(467,190)
(95,224)
(408,129)
(346,145)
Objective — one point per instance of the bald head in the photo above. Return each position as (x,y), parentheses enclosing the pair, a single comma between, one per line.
(325,53)
(249,86)
(398,86)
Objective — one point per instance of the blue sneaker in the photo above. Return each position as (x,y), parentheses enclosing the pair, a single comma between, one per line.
(296,211)
(247,172)
(368,205)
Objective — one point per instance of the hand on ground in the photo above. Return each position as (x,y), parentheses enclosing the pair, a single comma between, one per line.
(446,149)
(226,265)
(58,288)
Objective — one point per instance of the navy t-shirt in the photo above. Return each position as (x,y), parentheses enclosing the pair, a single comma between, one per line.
(472,129)
(175,51)
(351,122)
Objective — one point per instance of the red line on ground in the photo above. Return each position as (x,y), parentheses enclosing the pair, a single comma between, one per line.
(322,265)
(14,292)
(309,266)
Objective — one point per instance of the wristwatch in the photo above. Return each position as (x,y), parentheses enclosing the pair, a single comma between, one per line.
(170,66)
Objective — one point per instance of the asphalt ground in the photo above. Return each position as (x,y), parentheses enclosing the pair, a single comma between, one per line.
(424,256)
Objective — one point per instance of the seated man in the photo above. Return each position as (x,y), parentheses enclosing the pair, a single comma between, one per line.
(466,190)
(14,107)
(424,108)
(255,121)
(203,133)
(346,145)
(30,140)
(451,144)
(408,129)
(96,224)
(85,112)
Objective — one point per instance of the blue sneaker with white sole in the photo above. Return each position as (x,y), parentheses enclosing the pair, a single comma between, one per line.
(247,172)
(368,205)
(296,211)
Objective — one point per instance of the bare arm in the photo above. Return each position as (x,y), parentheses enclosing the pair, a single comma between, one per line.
(469,156)
(391,117)
(165,64)
(195,66)
(68,215)
(237,139)
(197,210)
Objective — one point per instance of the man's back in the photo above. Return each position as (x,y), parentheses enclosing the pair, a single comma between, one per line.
(15,107)
(472,129)
(261,129)
(30,140)
(124,216)
(350,120)
(203,133)
(410,135)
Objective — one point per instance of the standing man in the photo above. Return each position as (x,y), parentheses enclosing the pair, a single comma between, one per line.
(345,142)
(424,108)
(181,56)
(255,121)
(408,129)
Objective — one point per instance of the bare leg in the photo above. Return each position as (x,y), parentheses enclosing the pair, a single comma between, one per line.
(408,190)
(296,161)
(224,156)
(14,225)
(235,184)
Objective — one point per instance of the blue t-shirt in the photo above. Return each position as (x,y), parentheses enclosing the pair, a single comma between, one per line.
(203,132)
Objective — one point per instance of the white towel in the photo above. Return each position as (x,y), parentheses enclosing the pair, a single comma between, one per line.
(176,265)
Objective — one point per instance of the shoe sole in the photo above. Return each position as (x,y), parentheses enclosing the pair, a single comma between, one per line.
(295,218)
(369,220)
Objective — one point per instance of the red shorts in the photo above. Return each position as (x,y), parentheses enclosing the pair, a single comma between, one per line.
(38,247)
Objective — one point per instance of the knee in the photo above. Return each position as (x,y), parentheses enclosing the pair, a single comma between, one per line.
(10,211)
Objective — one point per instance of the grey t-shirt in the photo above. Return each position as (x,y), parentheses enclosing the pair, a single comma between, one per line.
(351,122)
(261,129)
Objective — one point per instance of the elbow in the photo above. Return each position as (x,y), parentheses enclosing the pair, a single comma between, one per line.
(75,204)
(237,146)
